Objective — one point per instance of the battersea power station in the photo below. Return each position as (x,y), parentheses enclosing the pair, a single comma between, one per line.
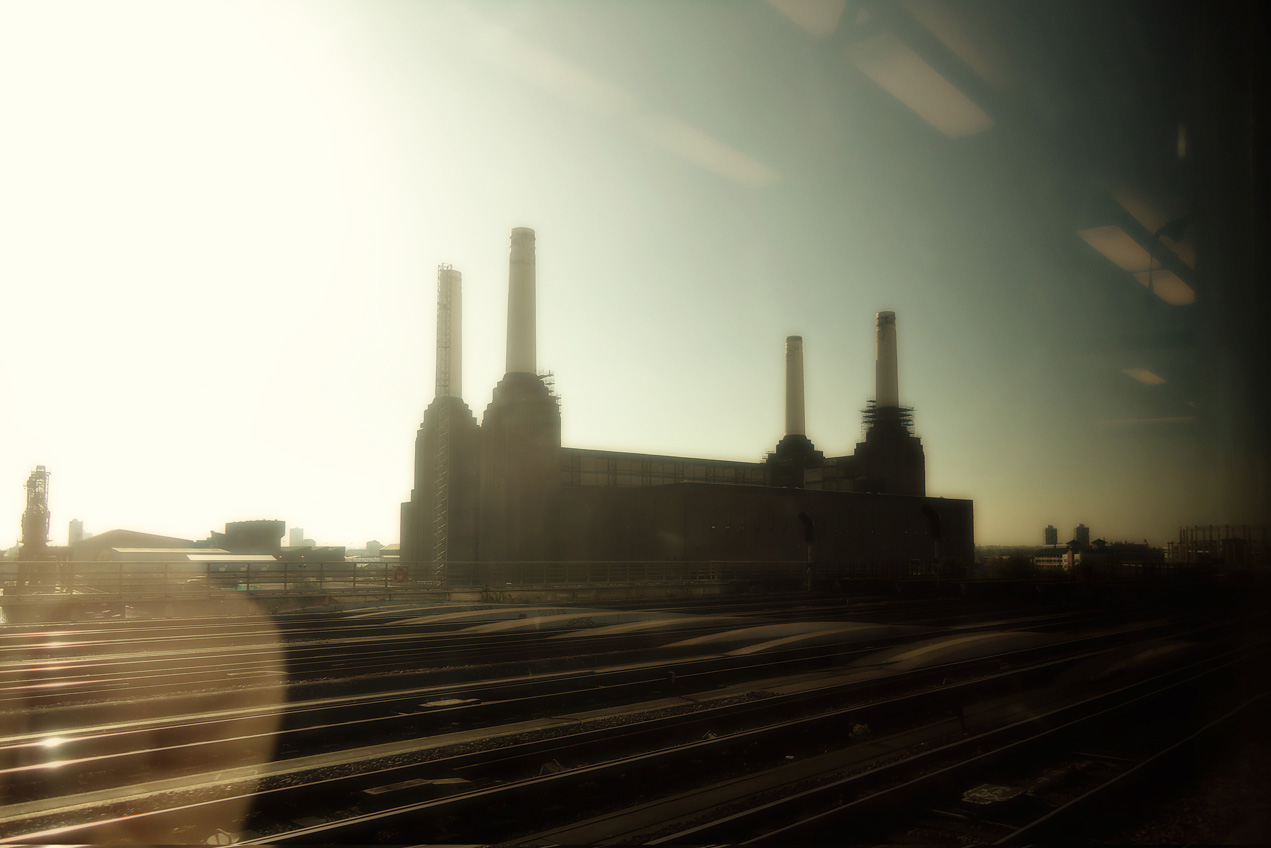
(505,491)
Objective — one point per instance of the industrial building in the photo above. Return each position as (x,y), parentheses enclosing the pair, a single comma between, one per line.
(1239,546)
(240,537)
(506,491)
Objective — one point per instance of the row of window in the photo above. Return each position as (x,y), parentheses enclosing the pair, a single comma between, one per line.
(603,471)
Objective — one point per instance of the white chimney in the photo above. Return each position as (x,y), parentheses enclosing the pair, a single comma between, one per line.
(521,343)
(886,391)
(794,387)
(449,332)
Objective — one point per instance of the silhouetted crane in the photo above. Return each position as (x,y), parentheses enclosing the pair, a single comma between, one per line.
(35,520)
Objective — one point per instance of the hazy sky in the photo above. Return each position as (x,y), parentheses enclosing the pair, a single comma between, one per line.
(220,225)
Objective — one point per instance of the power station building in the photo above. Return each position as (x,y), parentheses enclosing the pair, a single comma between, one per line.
(506,491)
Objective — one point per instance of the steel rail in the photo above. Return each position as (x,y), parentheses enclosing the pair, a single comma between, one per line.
(472,651)
(65,644)
(311,653)
(810,723)
(195,628)
(361,827)
(519,694)
(759,706)
(1049,727)
(1063,820)
(641,823)
(143,635)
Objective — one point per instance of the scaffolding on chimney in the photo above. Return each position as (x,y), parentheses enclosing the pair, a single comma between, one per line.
(549,380)
(441,536)
(873,414)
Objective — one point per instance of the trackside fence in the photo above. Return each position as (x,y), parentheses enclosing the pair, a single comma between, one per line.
(166,580)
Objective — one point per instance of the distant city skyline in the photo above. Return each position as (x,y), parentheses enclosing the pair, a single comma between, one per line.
(223,223)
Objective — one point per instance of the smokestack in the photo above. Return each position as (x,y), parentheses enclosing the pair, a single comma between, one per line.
(794,386)
(449,332)
(886,391)
(521,347)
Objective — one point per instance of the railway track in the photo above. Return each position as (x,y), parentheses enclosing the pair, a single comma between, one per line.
(56,671)
(481,702)
(1109,796)
(310,714)
(284,797)
(509,805)
(932,795)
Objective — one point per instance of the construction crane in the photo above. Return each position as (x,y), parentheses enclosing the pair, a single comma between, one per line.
(35,520)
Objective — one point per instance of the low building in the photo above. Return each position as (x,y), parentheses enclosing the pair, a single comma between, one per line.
(101,545)
(313,553)
(251,537)
(1061,559)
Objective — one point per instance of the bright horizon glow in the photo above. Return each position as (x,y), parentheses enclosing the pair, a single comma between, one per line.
(223,221)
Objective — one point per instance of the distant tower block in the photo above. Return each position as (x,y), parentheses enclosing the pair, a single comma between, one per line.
(886,381)
(1052,535)
(75,532)
(1081,535)
(449,332)
(521,314)
(795,425)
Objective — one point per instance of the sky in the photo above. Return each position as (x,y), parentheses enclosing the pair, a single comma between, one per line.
(220,225)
